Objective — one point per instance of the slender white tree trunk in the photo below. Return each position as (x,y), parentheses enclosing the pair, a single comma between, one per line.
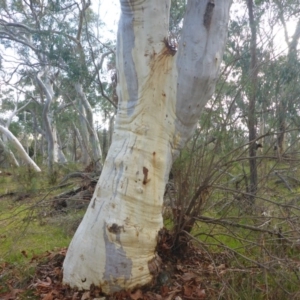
(93,137)
(47,118)
(83,136)
(81,144)
(59,156)
(55,154)
(22,153)
(161,94)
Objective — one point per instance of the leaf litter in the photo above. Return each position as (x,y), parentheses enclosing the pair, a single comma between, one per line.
(190,275)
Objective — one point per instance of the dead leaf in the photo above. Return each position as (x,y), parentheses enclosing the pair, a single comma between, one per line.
(85,296)
(74,297)
(210,269)
(57,271)
(44,284)
(153,296)
(137,295)
(200,293)
(169,297)
(63,251)
(49,296)
(40,256)
(24,253)
(188,276)
(187,290)
(180,268)
(164,290)
(12,295)
(221,267)
(7,296)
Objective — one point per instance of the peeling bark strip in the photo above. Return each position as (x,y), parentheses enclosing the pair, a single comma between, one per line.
(208,13)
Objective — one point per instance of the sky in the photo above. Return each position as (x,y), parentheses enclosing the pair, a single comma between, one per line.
(109,12)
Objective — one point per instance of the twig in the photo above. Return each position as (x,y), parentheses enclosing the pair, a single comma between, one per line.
(284,181)
(229,223)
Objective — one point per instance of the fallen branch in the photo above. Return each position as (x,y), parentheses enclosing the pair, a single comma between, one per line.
(82,175)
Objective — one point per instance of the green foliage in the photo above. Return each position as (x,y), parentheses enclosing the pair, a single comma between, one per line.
(28,179)
(15,128)
(176,15)
(252,237)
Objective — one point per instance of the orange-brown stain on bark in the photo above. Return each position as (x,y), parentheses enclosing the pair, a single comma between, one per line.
(161,65)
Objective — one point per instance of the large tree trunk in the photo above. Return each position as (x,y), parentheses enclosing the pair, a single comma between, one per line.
(161,94)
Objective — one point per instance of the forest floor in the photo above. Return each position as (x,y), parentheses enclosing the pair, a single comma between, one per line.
(37,223)
(189,276)
(38,217)
(34,236)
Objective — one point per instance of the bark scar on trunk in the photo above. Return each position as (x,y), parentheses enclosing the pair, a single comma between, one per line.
(115,228)
(145,172)
(208,14)
(171,45)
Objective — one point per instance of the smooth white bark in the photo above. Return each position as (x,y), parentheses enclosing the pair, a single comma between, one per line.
(20,149)
(160,99)
(47,118)
(83,136)
(55,154)
(59,156)
(93,137)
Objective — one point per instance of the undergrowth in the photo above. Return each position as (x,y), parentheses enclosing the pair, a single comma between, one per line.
(28,224)
(259,242)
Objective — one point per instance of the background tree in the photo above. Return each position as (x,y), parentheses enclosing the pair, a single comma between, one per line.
(252,101)
(52,62)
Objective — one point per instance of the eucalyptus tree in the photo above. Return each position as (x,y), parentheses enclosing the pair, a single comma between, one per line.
(161,91)
(255,77)
(253,70)
(81,68)
(289,77)
(55,43)
(23,27)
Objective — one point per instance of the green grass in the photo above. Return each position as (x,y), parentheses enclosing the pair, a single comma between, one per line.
(22,230)
(26,228)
